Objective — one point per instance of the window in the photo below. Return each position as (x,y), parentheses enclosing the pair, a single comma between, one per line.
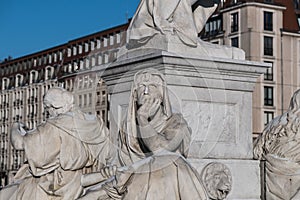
(60,55)
(75,66)
(45,60)
(297,4)
(268,46)
(40,61)
(235,42)
(50,58)
(93,61)
(106,58)
(86,47)
(213,26)
(98,43)
(85,99)
(298,16)
(90,99)
(268,116)
(268,1)
(33,76)
(234,22)
(87,63)
(80,49)
(69,52)
(118,37)
(105,42)
(99,59)
(5,83)
(79,100)
(70,68)
(81,64)
(92,45)
(111,40)
(268,21)
(19,80)
(268,75)
(74,50)
(49,73)
(268,96)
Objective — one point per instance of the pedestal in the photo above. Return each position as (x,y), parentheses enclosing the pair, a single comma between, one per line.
(215,97)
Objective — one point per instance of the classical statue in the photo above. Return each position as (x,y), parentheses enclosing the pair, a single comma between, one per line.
(151,127)
(279,146)
(153,145)
(58,150)
(185,18)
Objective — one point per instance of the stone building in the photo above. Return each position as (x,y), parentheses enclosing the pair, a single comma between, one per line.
(25,80)
(268,31)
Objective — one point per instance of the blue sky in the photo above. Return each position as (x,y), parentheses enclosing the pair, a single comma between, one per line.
(28,26)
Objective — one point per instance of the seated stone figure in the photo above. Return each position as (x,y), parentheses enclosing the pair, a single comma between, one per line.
(173,26)
(58,150)
(153,145)
(184,18)
(279,146)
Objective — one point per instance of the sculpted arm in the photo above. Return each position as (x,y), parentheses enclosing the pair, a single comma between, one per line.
(150,116)
(155,141)
(17,136)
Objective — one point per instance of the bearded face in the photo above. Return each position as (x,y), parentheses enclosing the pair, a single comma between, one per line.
(53,112)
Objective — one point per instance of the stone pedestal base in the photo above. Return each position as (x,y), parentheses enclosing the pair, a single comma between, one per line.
(245,177)
(215,97)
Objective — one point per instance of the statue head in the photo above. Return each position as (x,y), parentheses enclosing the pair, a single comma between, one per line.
(58,101)
(149,88)
(149,85)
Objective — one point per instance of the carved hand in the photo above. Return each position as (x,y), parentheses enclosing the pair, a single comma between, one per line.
(148,110)
(17,134)
(108,171)
(19,127)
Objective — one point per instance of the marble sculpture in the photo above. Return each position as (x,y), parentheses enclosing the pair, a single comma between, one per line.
(184,18)
(153,142)
(153,146)
(279,147)
(57,151)
(152,150)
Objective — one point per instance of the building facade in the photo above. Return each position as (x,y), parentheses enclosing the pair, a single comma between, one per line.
(24,81)
(268,31)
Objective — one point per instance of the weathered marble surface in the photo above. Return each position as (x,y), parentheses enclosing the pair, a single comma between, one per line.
(183,18)
(213,95)
(153,145)
(245,177)
(279,147)
(172,44)
(173,26)
(217,180)
(57,151)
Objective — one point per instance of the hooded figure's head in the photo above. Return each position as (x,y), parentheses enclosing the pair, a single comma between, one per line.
(58,101)
(148,83)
